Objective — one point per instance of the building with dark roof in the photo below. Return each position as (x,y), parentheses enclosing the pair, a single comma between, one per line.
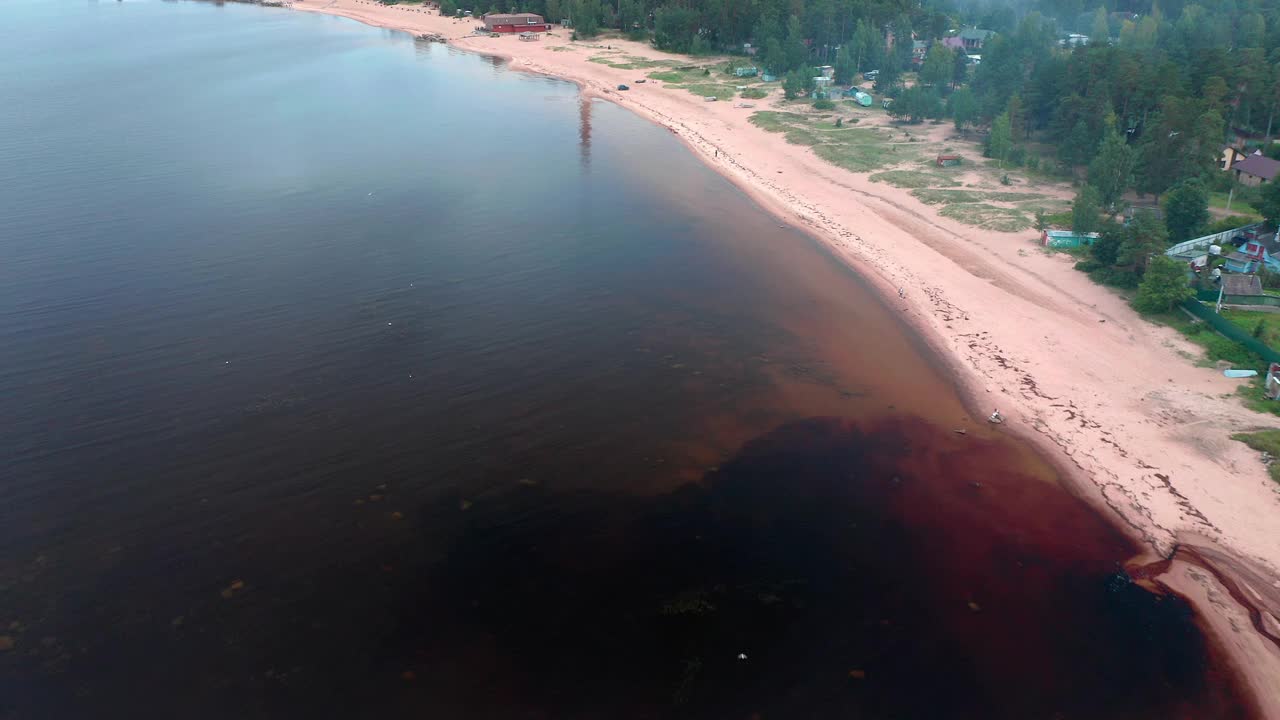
(1256,169)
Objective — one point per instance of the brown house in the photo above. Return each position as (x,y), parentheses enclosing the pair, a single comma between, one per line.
(1256,169)
(517,22)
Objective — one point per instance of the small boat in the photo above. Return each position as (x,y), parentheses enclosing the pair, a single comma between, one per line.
(641,81)
(1240,373)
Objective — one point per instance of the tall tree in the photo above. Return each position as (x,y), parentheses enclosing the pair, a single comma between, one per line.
(1164,285)
(1145,237)
(959,68)
(963,107)
(1112,168)
(797,51)
(1086,211)
(1101,32)
(1186,209)
(846,68)
(1269,203)
(1000,141)
(936,70)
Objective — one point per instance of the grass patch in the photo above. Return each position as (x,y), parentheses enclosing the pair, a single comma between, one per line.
(1254,398)
(720,92)
(754,94)
(987,217)
(1059,219)
(1263,325)
(861,153)
(1238,207)
(913,179)
(1217,348)
(680,76)
(936,196)
(774,121)
(1267,441)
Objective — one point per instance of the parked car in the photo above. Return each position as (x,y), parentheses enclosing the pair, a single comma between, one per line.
(623,87)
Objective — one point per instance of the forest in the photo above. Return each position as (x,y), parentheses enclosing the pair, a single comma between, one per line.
(1174,80)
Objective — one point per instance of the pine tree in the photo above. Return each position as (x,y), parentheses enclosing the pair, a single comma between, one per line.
(1085,217)
(1112,168)
(1163,285)
(1000,141)
(1186,209)
(1101,34)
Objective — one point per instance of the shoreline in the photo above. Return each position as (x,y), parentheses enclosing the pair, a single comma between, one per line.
(1160,510)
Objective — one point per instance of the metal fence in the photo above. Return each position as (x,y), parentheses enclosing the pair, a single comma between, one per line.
(1200,243)
(1211,296)
(1231,331)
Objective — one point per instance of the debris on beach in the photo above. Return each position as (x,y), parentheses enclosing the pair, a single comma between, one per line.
(6,643)
(858,674)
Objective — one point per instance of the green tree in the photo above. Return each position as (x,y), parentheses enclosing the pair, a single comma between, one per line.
(795,83)
(964,108)
(631,16)
(1144,237)
(1269,202)
(917,103)
(775,58)
(586,18)
(1000,141)
(1101,33)
(1163,285)
(1112,168)
(1186,209)
(936,70)
(846,67)
(797,52)
(959,68)
(869,46)
(1086,211)
(448,8)
(1077,149)
(674,29)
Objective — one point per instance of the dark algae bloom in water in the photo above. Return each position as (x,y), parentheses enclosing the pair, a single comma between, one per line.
(830,569)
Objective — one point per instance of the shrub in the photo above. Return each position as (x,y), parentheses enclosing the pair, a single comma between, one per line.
(823,104)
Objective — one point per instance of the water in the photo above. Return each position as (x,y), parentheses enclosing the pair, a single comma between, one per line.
(349,376)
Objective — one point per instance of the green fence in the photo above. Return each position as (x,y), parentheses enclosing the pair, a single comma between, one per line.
(1231,330)
(1211,296)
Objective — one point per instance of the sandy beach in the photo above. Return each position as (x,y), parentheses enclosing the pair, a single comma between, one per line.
(1119,404)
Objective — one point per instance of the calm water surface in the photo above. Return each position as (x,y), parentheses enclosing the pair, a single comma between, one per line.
(344,375)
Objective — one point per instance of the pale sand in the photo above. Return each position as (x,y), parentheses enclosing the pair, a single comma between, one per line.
(1113,400)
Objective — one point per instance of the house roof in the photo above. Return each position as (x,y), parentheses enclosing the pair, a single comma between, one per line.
(1238,257)
(975,34)
(517,18)
(1241,285)
(1258,166)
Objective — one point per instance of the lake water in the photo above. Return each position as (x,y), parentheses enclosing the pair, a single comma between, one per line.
(345,375)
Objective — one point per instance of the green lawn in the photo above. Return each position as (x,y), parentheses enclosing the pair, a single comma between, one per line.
(1218,200)
(1263,325)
